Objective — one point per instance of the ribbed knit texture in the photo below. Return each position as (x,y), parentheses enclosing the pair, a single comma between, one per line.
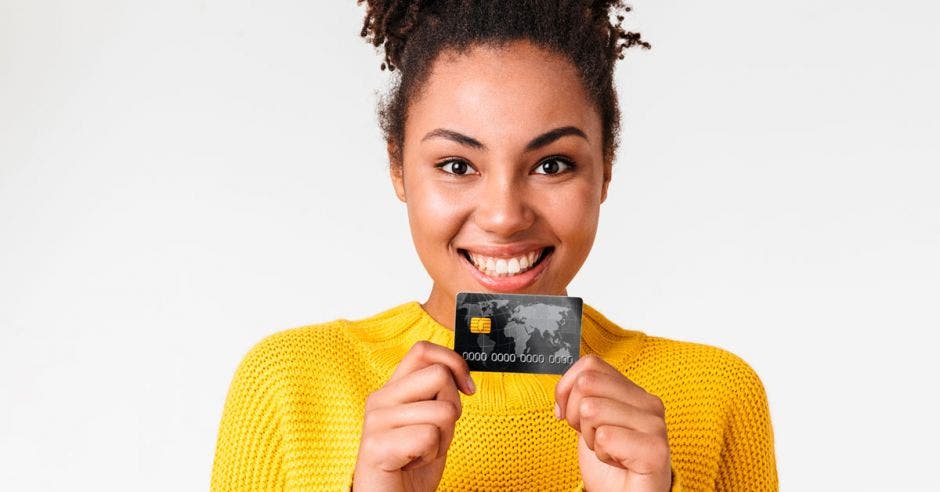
(293,416)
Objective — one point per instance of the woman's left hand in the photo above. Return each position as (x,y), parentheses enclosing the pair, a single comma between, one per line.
(622,442)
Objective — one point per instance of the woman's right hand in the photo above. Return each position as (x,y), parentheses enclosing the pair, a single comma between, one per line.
(409,422)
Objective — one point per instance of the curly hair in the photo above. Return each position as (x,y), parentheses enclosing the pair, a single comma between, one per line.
(415,32)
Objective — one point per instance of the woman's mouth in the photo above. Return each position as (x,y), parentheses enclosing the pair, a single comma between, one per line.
(509,273)
(507,267)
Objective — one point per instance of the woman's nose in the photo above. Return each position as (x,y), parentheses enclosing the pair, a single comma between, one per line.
(503,208)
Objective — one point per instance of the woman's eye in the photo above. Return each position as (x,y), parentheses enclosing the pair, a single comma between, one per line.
(553,165)
(454,166)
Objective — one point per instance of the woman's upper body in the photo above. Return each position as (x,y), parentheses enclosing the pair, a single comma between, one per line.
(501,133)
(293,416)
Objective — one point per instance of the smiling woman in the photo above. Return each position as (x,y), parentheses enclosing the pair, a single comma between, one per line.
(501,134)
(502,170)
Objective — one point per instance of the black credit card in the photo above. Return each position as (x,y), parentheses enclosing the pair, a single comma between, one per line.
(517,333)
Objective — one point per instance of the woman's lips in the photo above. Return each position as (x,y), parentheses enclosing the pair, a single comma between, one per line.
(501,266)
(512,282)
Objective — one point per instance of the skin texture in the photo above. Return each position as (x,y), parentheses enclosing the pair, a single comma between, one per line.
(622,442)
(409,422)
(503,98)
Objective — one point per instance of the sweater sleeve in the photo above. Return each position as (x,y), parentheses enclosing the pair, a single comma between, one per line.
(747,458)
(249,450)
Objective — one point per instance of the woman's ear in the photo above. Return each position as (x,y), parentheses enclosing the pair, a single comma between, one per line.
(608,168)
(396,171)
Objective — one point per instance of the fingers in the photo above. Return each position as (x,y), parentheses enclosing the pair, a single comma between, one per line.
(441,414)
(409,422)
(592,376)
(589,383)
(410,446)
(424,353)
(432,382)
(618,421)
(595,412)
(641,453)
(606,387)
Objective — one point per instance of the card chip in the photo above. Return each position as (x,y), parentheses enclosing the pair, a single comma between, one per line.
(480,325)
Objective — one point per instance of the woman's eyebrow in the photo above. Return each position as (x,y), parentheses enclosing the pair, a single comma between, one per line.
(552,135)
(456,137)
(536,143)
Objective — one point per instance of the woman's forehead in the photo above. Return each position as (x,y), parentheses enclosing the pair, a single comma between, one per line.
(490,89)
(516,65)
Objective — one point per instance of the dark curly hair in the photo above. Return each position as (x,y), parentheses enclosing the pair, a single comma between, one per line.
(415,32)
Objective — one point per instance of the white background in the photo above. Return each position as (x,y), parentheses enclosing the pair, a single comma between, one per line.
(179,179)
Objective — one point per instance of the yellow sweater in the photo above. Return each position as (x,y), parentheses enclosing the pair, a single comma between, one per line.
(293,416)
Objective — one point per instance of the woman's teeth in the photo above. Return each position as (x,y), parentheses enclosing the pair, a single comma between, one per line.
(504,267)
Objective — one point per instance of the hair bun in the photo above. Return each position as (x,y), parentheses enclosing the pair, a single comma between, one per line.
(390,22)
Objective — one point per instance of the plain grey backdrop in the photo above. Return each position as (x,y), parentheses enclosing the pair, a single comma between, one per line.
(179,179)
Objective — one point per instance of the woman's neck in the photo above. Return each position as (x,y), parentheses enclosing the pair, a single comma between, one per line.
(440,305)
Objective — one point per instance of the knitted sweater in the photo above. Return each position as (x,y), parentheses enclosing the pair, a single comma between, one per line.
(293,416)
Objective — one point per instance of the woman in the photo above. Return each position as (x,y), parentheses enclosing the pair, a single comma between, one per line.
(501,135)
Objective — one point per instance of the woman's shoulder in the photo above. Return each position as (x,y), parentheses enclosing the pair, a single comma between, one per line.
(692,356)
(289,346)
(667,365)
(697,370)
(326,342)
(641,351)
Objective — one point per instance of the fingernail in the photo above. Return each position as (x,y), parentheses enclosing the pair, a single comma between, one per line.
(471,384)
(557,412)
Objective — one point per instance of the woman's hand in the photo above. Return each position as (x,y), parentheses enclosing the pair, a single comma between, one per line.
(409,422)
(622,442)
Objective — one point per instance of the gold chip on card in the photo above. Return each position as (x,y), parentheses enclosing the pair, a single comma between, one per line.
(480,325)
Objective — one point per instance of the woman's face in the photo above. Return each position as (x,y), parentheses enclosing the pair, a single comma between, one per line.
(503,173)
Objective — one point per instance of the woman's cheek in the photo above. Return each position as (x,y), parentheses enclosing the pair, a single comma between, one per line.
(436,211)
(576,207)
(576,221)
